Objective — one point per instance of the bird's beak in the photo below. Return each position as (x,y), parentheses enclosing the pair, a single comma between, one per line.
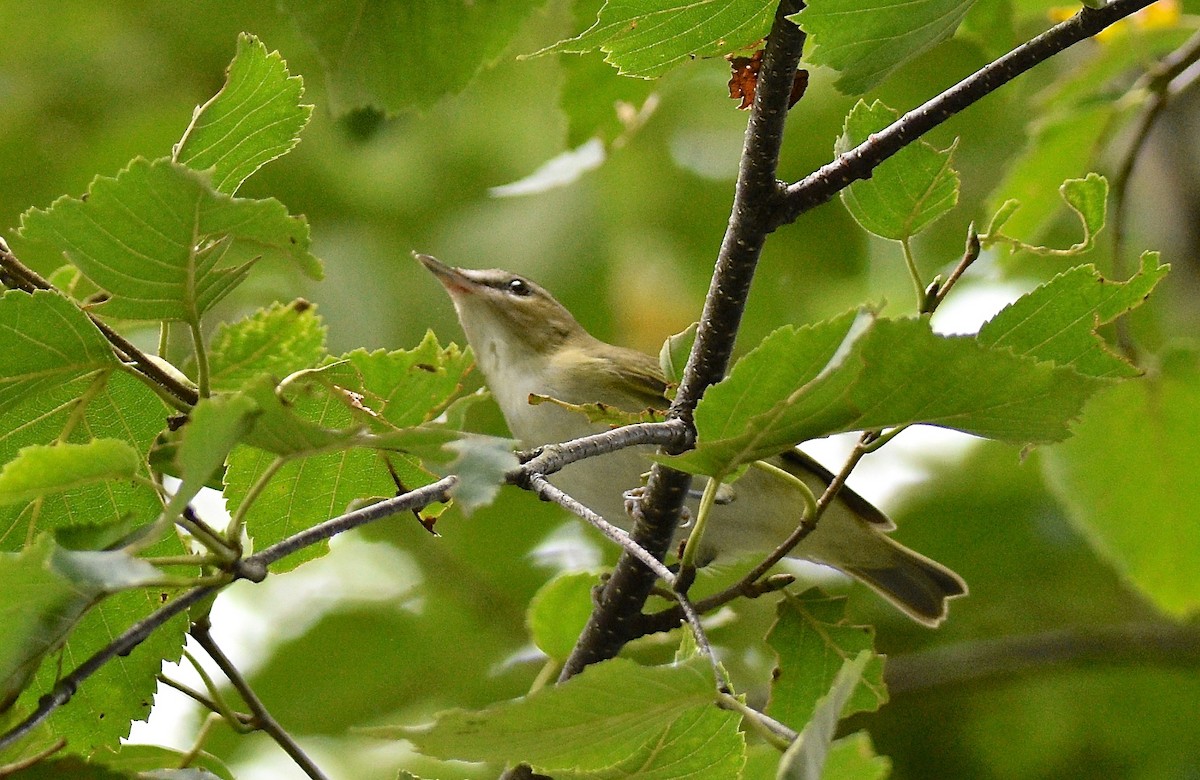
(453,279)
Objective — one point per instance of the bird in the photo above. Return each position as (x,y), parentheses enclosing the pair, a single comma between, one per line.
(529,347)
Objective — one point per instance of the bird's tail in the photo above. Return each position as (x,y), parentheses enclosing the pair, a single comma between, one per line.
(917,585)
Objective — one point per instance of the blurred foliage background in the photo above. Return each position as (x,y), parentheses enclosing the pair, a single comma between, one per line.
(397,624)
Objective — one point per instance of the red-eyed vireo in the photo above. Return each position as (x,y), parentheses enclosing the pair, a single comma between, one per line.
(526,343)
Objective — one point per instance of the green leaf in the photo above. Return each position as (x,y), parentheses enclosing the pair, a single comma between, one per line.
(302,493)
(853,758)
(1061,148)
(406,387)
(596,721)
(673,356)
(163,243)
(1003,215)
(906,192)
(101,711)
(39,469)
(454,416)
(859,373)
(278,340)
(805,759)
(481,463)
(1125,475)
(44,591)
(559,611)
(599,103)
(45,342)
(134,758)
(866,40)
(703,743)
(362,391)
(1058,320)
(813,641)
(255,118)
(316,434)
(215,426)
(312,428)
(115,406)
(303,415)
(1085,197)
(788,359)
(401,54)
(646,38)
(380,399)
(38,606)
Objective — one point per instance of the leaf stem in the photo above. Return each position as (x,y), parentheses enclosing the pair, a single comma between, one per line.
(233,535)
(810,501)
(214,701)
(913,273)
(201,352)
(777,734)
(687,561)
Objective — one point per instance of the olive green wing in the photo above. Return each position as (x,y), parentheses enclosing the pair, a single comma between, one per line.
(631,379)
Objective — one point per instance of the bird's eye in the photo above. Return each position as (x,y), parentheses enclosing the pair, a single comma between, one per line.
(518,286)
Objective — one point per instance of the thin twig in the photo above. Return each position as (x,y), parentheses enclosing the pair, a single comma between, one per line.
(858,163)
(970,255)
(253,568)
(262,717)
(239,718)
(1173,75)
(547,492)
(551,458)
(752,583)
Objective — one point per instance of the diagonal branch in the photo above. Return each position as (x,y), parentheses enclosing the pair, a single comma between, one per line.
(755,196)
(858,163)
(263,719)
(253,568)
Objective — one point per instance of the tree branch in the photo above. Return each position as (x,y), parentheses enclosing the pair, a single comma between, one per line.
(858,163)
(263,720)
(1135,644)
(620,603)
(253,568)
(548,492)
(550,458)
(1173,75)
